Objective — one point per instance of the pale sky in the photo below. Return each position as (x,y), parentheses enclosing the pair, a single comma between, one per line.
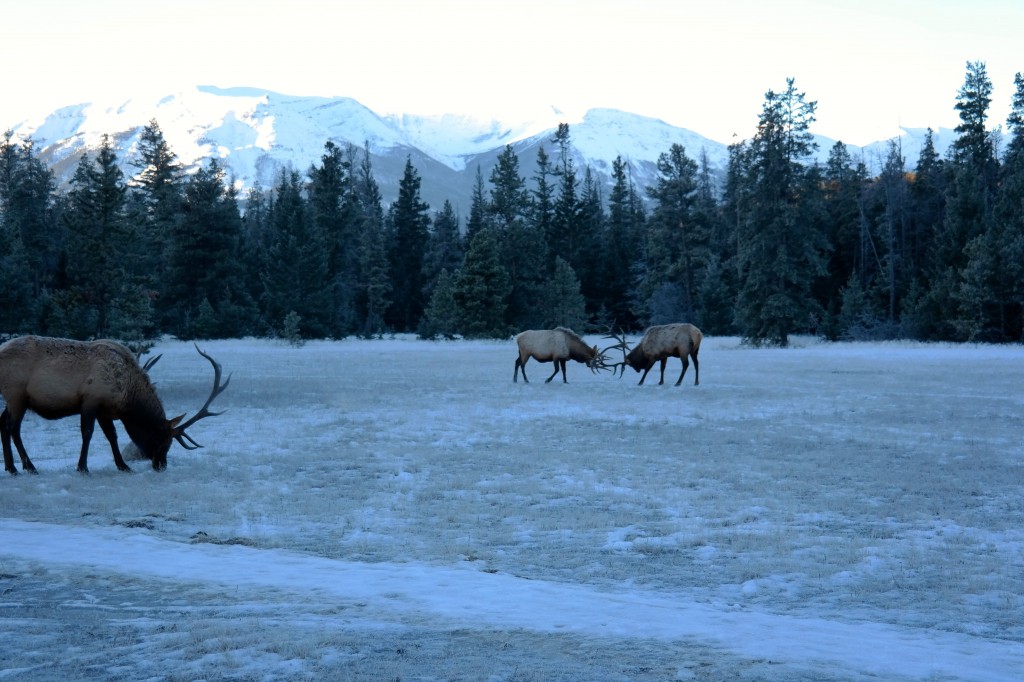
(872,65)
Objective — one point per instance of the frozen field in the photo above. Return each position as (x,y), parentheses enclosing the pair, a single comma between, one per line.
(401,510)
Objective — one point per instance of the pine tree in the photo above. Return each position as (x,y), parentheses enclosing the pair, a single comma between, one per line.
(521,244)
(296,266)
(482,289)
(969,307)
(920,316)
(510,200)
(564,236)
(157,189)
(894,232)
(30,236)
(445,249)
(591,229)
(409,223)
(715,289)
(1008,226)
(675,242)
(848,231)
(205,280)
(542,205)
(334,219)
(781,248)
(620,250)
(374,278)
(565,305)
(441,318)
(477,208)
(106,299)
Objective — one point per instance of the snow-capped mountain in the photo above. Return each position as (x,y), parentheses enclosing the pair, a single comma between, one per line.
(256,133)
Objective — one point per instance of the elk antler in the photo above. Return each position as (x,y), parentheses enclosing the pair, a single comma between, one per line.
(152,361)
(622,345)
(179,431)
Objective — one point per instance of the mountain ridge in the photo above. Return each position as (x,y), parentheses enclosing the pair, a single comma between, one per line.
(256,133)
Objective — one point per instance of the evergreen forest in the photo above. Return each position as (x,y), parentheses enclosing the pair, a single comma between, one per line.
(774,247)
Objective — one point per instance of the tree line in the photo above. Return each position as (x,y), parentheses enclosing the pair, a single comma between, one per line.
(778,246)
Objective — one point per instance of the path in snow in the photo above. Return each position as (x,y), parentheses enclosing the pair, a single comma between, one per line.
(472,598)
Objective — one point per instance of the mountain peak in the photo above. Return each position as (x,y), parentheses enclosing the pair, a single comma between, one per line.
(256,132)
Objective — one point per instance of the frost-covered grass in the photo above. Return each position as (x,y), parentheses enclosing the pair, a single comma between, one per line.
(401,509)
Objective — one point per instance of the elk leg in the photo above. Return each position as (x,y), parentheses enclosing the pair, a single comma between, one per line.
(664,361)
(5,435)
(111,433)
(88,425)
(10,424)
(548,380)
(643,376)
(686,363)
(520,364)
(696,370)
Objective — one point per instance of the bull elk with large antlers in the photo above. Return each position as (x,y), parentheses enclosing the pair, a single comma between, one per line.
(99,380)
(659,343)
(552,345)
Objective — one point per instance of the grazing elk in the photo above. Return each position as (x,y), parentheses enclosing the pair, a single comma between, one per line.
(658,344)
(99,380)
(552,345)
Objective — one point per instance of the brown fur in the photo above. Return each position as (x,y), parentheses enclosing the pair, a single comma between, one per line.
(666,341)
(99,380)
(552,345)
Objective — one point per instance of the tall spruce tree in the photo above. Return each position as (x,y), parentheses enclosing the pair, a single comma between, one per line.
(676,243)
(441,318)
(564,235)
(477,207)
(30,238)
(445,248)
(969,306)
(542,204)
(620,249)
(409,225)
(781,248)
(334,219)
(715,289)
(591,229)
(521,243)
(157,191)
(564,303)
(375,281)
(296,266)
(205,280)
(106,296)
(920,317)
(1007,233)
(482,288)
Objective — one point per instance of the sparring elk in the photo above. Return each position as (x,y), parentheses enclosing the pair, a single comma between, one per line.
(659,343)
(101,381)
(553,345)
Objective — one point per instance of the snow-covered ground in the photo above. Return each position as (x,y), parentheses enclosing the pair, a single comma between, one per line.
(400,509)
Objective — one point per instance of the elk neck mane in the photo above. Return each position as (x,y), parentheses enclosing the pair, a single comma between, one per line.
(578,348)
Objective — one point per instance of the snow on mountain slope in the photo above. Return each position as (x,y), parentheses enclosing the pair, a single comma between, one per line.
(255,133)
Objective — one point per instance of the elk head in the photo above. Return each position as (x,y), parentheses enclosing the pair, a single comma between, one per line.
(155,443)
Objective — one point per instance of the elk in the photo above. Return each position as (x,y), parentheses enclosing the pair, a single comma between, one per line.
(553,345)
(102,382)
(659,343)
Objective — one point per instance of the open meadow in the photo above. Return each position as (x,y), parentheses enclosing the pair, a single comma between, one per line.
(401,510)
